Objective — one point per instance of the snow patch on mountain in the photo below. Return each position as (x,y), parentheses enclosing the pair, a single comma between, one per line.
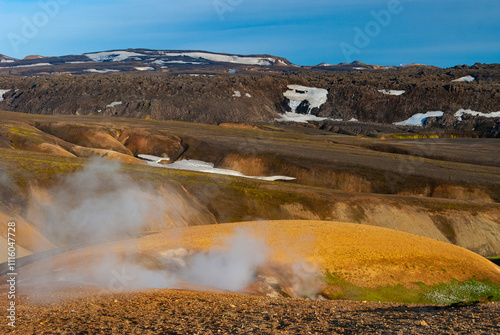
(181,62)
(461,113)
(113,56)
(114,103)
(27,65)
(246,60)
(391,92)
(158,62)
(417,120)
(466,79)
(297,93)
(100,71)
(2,92)
(300,118)
(144,68)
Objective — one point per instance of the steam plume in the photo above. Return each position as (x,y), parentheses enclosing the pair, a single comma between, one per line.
(100,203)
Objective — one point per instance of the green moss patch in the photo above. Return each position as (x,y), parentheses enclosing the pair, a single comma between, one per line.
(456,292)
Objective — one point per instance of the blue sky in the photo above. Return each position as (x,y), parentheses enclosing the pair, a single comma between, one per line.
(438,32)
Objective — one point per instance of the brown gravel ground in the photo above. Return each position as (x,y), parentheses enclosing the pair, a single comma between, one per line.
(187,312)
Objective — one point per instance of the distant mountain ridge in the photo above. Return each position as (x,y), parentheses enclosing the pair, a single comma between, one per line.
(170,61)
(6,59)
(176,61)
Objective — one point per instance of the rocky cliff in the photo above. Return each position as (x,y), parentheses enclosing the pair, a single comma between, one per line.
(211,92)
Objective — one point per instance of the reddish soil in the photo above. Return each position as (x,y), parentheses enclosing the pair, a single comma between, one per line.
(185,312)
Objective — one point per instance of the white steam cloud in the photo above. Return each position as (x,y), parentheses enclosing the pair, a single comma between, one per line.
(100,203)
(10,195)
(231,268)
(306,280)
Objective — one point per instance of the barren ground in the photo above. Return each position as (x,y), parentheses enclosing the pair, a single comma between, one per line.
(185,312)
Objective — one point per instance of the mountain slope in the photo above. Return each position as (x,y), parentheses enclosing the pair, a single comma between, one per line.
(378,96)
(207,87)
(141,60)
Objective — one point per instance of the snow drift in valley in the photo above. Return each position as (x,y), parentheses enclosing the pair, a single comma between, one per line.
(200,166)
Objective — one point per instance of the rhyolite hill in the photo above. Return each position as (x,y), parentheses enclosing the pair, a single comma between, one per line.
(447,189)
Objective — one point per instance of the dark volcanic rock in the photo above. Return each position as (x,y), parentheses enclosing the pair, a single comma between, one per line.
(488,127)
(213,99)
